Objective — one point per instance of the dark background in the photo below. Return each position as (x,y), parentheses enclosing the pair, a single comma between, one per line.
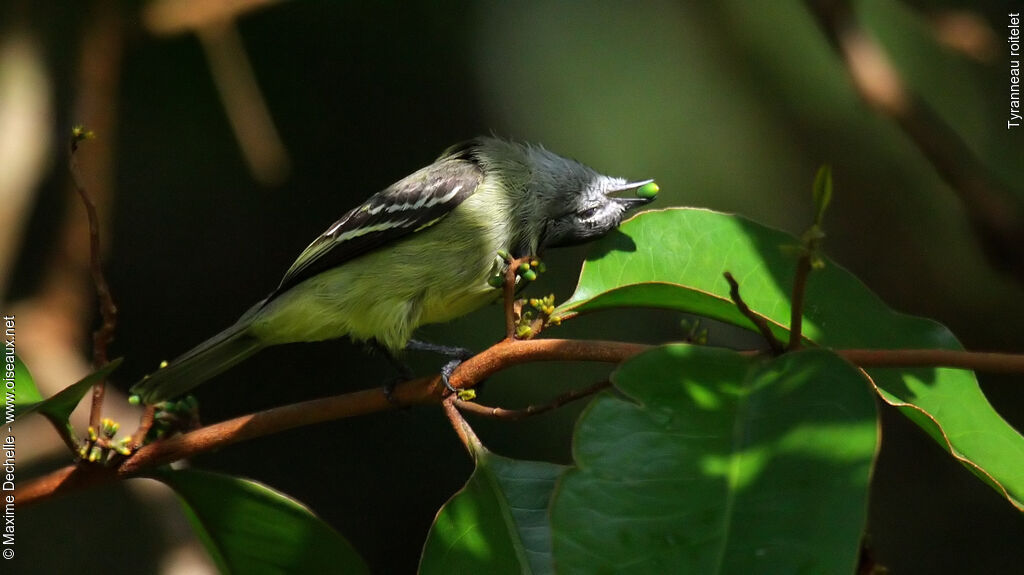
(731,106)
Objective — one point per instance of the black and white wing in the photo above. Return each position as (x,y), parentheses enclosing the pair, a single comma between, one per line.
(418,201)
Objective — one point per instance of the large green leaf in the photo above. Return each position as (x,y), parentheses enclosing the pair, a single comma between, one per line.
(59,407)
(720,463)
(497,523)
(248,527)
(675,259)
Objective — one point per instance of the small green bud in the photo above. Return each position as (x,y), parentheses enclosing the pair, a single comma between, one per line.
(524,332)
(134,399)
(95,454)
(503,255)
(523,268)
(496,281)
(109,427)
(541,267)
(79,133)
(648,190)
(93,436)
(163,364)
(529,275)
(467,394)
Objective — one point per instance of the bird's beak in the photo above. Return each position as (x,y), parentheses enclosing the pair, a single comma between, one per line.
(646,191)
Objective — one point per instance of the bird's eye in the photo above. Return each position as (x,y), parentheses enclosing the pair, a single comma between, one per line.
(589,213)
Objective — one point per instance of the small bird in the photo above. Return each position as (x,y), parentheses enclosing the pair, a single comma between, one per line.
(421,251)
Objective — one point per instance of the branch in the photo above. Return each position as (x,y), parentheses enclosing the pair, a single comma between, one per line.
(759,322)
(102,337)
(997,218)
(987,362)
(430,390)
(796,312)
(517,414)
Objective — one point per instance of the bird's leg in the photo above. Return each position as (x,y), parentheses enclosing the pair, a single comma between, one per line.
(456,356)
(404,371)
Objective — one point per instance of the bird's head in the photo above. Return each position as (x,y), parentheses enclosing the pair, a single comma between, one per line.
(580,205)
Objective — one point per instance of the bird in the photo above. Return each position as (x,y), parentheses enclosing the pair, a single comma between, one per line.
(421,251)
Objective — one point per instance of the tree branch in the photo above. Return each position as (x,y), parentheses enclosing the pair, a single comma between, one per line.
(517,414)
(102,337)
(758,321)
(429,390)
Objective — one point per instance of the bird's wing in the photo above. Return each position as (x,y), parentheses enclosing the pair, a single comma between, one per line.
(418,201)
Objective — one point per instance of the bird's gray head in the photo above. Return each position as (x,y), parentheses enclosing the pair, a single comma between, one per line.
(577,203)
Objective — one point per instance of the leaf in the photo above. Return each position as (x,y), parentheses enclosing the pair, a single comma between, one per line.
(24,392)
(248,527)
(59,407)
(497,523)
(719,463)
(675,258)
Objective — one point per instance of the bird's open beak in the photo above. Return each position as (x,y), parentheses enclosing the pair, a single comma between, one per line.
(646,191)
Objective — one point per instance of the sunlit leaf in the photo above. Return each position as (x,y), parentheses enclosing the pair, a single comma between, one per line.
(719,463)
(497,523)
(675,258)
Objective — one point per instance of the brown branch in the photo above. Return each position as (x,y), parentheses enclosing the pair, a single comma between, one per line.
(418,391)
(145,423)
(759,322)
(516,414)
(996,216)
(509,290)
(102,337)
(796,312)
(462,428)
(987,362)
(431,391)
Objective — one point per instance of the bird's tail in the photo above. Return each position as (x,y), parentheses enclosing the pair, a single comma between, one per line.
(199,364)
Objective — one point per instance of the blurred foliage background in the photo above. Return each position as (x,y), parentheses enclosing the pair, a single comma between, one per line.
(730,105)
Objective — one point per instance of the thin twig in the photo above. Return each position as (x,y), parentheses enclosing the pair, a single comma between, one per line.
(996,215)
(516,414)
(105,334)
(509,286)
(145,423)
(796,313)
(758,321)
(462,428)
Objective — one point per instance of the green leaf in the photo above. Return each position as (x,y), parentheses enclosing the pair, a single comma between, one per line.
(719,463)
(248,527)
(497,523)
(675,258)
(24,393)
(59,407)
